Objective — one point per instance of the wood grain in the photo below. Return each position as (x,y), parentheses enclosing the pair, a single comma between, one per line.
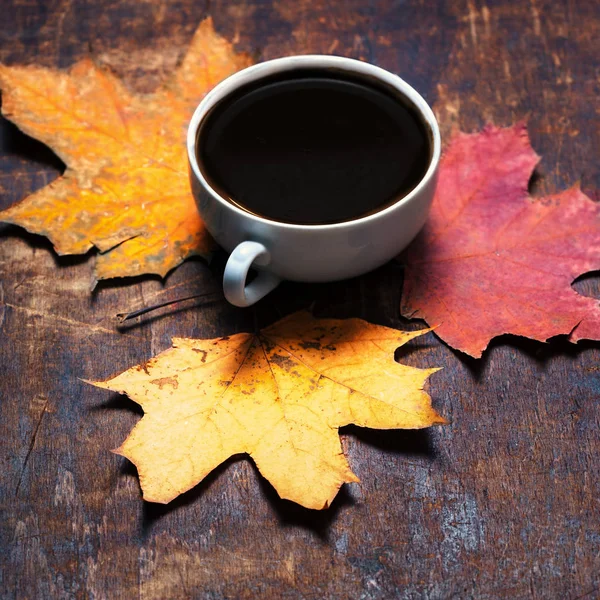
(501,503)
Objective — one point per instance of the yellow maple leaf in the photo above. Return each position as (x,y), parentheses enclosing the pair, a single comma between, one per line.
(279,396)
(125,190)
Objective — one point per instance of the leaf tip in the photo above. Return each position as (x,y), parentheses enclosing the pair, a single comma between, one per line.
(352,478)
(149,497)
(99,384)
(439,420)
(433,370)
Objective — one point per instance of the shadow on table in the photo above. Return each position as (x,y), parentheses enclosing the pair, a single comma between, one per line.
(289,513)
(153,512)
(402,442)
(13,142)
(407,442)
(542,353)
(293,515)
(39,242)
(119,402)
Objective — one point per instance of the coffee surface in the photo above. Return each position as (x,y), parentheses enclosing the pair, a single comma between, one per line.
(313,149)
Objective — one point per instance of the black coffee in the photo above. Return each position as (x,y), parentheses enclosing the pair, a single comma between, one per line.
(313,148)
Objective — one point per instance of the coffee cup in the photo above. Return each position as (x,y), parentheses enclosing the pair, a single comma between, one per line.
(311,168)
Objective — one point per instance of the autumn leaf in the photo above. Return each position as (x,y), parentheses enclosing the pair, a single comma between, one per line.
(125,190)
(491,259)
(279,396)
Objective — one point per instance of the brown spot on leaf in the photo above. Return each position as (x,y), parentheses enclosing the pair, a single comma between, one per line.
(172,381)
(144,367)
(309,345)
(285,362)
(203,352)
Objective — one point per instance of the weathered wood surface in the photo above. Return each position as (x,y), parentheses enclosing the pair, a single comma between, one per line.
(501,503)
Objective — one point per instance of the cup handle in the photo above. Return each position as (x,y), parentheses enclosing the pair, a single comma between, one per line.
(236,271)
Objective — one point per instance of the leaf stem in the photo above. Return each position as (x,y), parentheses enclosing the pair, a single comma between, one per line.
(122,317)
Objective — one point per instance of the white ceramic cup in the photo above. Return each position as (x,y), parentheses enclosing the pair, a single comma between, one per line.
(308,253)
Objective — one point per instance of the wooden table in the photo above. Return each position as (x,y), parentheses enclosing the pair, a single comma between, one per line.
(501,503)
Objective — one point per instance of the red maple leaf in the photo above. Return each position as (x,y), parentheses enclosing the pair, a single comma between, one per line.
(491,259)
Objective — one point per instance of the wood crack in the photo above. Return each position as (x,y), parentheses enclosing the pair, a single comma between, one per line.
(31,446)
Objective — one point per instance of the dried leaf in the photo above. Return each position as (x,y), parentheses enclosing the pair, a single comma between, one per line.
(125,190)
(279,396)
(491,259)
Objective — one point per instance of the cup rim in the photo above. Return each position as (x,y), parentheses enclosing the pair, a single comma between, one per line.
(289,63)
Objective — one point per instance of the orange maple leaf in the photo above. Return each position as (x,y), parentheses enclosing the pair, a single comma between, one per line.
(125,190)
(279,396)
